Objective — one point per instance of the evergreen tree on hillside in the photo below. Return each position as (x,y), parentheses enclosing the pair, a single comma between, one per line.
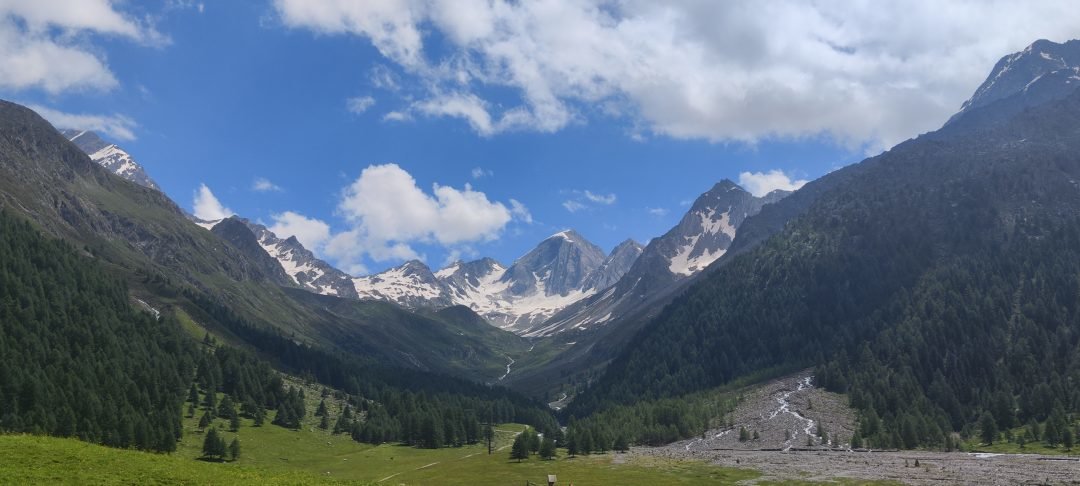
(621,444)
(520,449)
(988,428)
(213,445)
(234,449)
(572,447)
(547,448)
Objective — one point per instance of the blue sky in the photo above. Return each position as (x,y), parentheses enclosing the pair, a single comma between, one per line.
(607,118)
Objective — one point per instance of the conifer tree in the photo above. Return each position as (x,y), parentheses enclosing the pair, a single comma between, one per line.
(547,448)
(520,449)
(988,427)
(213,445)
(234,449)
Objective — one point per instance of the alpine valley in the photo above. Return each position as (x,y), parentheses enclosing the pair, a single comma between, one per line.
(924,302)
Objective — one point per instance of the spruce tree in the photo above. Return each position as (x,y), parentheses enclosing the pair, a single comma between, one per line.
(520,449)
(324,423)
(534,441)
(547,448)
(234,449)
(213,445)
(988,427)
(572,447)
(226,408)
(621,444)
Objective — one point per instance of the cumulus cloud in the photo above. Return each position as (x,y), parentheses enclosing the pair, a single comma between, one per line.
(762,183)
(262,184)
(359,104)
(207,207)
(862,73)
(386,213)
(42,44)
(310,232)
(657,211)
(115,126)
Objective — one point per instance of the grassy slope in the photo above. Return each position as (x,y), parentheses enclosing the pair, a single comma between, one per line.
(45,460)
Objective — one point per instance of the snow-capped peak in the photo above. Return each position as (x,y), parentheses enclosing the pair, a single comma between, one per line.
(110,156)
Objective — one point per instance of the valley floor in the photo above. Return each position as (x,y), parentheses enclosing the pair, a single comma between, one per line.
(786,414)
(933,467)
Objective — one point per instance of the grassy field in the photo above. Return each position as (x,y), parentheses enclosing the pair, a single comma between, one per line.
(277,450)
(45,460)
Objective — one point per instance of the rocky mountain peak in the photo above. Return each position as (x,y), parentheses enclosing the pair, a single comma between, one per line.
(1041,65)
(110,156)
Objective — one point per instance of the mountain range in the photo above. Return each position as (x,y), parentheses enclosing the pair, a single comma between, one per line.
(936,284)
(565,283)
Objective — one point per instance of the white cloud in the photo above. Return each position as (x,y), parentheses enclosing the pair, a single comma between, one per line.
(382,77)
(468,107)
(573,206)
(396,116)
(600,198)
(359,104)
(520,212)
(310,232)
(115,126)
(657,211)
(386,213)
(207,207)
(762,183)
(866,72)
(44,44)
(480,172)
(262,184)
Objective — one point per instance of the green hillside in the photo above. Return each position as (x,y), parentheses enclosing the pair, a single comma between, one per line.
(142,237)
(936,286)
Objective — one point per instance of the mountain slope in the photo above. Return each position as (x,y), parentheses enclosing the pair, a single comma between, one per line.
(302,266)
(70,341)
(942,266)
(110,156)
(700,238)
(587,334)
(144,238)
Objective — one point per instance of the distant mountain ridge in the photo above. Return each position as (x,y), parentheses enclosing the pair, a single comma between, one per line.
(110,156)
(566,282)
(561,270)
(701,237)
